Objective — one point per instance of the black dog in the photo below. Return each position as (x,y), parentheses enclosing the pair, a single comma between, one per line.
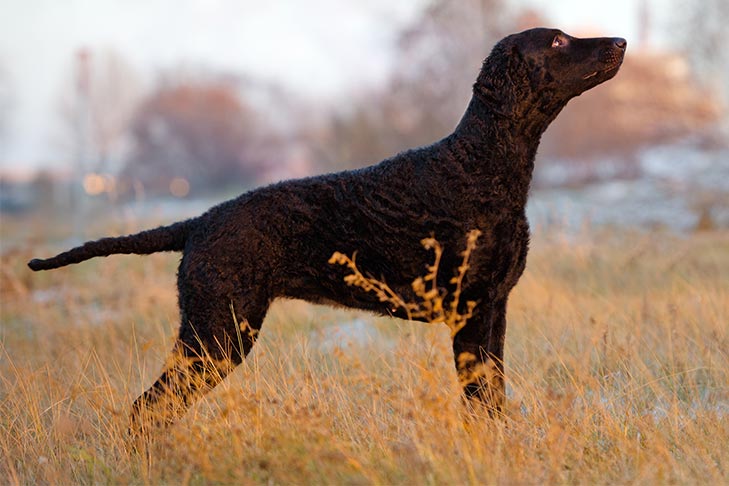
(276,241)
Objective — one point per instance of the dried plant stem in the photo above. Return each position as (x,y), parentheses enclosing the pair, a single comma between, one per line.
(430,306)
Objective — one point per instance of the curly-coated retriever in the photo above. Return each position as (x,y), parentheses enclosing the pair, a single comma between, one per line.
(276,241)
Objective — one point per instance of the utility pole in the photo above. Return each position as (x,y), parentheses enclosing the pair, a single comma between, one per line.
(644,24)
(82,135)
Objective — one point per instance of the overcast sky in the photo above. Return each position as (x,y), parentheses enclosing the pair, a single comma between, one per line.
(316,47)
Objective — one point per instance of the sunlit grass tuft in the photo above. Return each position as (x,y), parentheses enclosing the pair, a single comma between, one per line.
(617,368)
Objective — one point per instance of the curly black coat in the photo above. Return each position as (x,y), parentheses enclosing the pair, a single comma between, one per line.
(276,241)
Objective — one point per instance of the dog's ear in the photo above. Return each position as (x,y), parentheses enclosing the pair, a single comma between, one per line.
(516,65)
(502,74)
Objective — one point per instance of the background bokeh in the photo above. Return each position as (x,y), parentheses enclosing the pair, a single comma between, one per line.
(122,109)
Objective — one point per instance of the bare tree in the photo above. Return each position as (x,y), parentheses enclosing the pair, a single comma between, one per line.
(437,59)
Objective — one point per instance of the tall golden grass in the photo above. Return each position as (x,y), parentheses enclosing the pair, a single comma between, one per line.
(617,367)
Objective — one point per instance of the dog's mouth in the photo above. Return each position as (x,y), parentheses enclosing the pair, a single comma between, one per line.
(613,65)
(612,58)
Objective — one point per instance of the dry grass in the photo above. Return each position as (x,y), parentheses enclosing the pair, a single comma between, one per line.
(617,371)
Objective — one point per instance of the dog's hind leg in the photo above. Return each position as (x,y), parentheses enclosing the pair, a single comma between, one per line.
(215,336)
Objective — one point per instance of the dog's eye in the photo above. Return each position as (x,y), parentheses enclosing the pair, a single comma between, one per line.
(559,41)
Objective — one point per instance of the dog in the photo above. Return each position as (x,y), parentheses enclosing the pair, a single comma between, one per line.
(276,241)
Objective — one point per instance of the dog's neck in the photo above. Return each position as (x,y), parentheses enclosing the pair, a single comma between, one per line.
(484,124)
(515,119)
(487,119)
(517,137)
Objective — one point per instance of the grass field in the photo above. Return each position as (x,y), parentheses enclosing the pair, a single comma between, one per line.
(617,363)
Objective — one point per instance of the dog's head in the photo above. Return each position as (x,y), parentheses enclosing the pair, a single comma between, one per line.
(545,68)
(567,64)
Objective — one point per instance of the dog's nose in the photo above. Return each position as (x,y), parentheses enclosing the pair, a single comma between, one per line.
(620,43)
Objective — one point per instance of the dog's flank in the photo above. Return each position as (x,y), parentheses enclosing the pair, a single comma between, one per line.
(276,241)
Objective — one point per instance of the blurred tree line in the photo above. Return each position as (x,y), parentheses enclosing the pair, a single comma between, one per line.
(211,130)
(194,125)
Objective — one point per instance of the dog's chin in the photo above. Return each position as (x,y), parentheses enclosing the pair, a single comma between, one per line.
(593,78)
(605,73)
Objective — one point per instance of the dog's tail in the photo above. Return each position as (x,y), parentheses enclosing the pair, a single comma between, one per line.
(164,238)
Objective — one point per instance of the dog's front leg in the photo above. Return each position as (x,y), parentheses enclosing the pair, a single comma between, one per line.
(478,350)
